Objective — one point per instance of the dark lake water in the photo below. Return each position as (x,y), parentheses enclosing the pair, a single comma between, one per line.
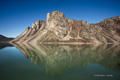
(59,62)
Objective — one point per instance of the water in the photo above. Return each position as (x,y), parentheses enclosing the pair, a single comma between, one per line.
(59,62)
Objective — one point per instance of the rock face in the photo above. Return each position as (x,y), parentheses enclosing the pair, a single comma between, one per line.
(60,30)
(56,23)
(4,39)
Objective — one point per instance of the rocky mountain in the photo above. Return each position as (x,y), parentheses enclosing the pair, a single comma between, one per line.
(4,39)
(61,30)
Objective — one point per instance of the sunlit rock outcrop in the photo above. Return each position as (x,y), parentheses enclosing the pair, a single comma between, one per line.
(61,30)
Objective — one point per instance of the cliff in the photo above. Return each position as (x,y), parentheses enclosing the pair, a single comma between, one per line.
(60,30)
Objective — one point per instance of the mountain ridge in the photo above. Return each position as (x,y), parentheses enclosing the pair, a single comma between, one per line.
(4,39)
(57,29)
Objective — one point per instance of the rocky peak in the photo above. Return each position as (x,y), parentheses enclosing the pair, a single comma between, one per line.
(58,29)
(56,23)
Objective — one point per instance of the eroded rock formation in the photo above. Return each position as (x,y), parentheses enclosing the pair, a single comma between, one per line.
(60,30)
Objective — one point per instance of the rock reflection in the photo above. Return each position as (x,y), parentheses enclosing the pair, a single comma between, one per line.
(58,58)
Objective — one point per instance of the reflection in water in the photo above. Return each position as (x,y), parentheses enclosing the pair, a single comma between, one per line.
(3,45)
(58,58)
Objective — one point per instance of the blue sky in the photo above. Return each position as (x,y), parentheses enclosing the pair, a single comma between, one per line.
(17,15)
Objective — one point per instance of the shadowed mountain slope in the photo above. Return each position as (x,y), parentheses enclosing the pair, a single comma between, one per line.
(4,39)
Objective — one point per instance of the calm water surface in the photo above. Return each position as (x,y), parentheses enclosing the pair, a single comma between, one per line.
(60,62)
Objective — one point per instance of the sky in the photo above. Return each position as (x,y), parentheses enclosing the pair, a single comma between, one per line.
(17,15)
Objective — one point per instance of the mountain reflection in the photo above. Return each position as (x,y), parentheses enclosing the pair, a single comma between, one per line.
(58,58)
(3,45)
